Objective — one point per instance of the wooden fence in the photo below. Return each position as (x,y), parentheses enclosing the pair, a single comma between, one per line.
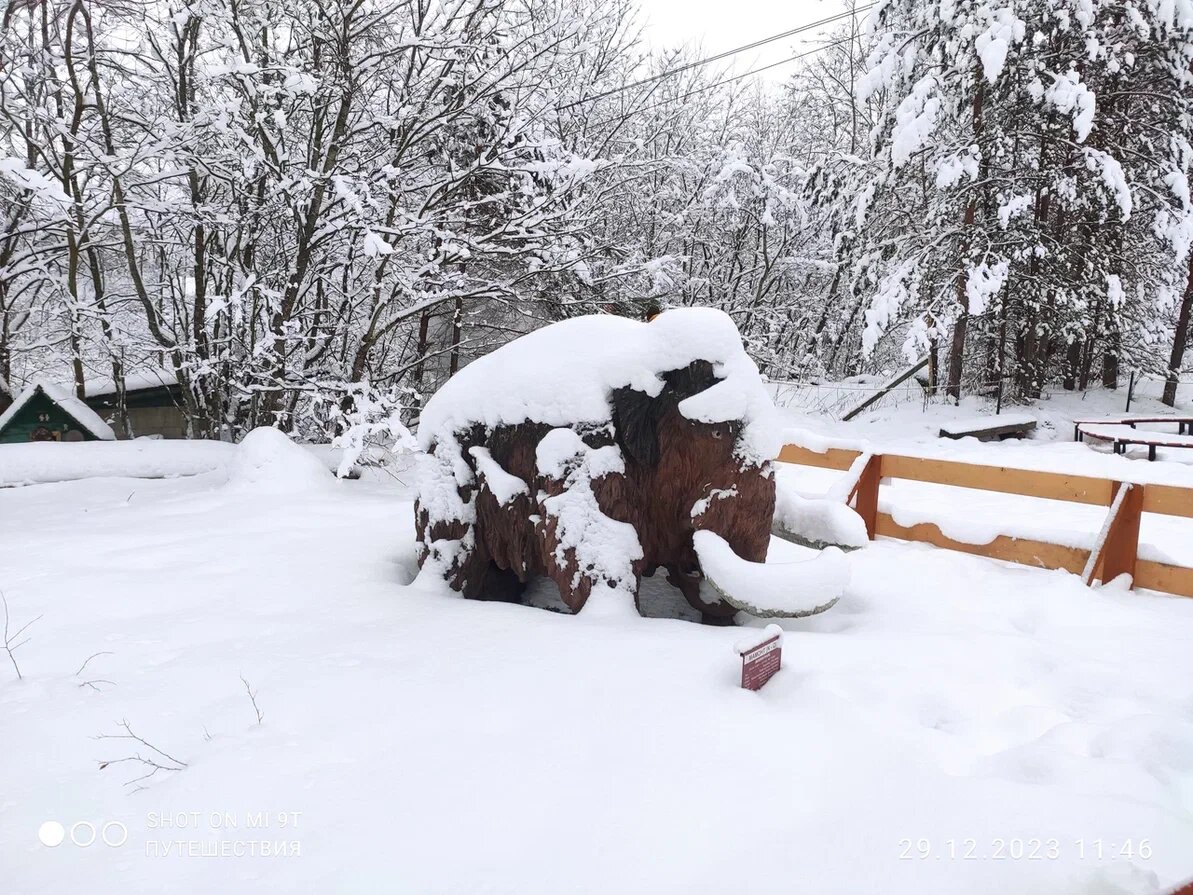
(1118,549)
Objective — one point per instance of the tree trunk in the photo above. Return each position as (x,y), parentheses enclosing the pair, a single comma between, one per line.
(1110,360)
(1072,364)
(424,323)
(957,349)
(933,358)
(1179,341)
(1087,354)
(457,329)
(1002,343)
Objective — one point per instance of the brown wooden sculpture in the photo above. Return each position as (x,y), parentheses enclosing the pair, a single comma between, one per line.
(655,453)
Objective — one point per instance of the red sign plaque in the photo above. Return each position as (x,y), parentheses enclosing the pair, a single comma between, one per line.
(760,661)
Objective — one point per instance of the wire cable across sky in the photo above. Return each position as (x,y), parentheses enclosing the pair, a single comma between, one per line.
(729,80)
(696,63)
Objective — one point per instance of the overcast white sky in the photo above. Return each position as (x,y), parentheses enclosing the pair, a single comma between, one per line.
(718,25)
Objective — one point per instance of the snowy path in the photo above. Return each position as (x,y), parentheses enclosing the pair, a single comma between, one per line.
(435,745)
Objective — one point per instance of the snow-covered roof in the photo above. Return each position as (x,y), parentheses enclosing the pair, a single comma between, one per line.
(565,374)
(132,382)
(83,415)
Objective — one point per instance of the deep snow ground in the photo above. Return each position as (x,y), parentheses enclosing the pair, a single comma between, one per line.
(430,744)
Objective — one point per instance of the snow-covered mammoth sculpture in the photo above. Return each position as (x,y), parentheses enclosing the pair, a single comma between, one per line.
(600,449)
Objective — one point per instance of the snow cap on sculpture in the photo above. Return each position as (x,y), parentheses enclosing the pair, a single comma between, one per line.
(564,374)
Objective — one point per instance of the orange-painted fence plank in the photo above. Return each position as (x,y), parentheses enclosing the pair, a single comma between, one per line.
(1164,577)
(833,458)
(1017,550)
(1121,549)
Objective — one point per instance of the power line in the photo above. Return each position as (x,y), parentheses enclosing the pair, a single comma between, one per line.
(715,84)
(719,56)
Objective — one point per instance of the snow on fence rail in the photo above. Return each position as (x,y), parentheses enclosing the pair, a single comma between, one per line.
(1114,553)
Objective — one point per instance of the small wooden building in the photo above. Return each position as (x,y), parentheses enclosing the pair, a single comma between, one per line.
(48,412)
(152,400)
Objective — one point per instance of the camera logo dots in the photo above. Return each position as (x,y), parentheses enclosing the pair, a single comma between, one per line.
(51,834)
(83,834)
(114,834)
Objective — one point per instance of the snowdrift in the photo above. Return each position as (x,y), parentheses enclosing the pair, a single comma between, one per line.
(142,458)
(268,460)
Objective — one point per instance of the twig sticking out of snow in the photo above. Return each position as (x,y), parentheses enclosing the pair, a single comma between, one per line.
(95,683)
(89,658)
(11,640)
(253,699)
(163,761)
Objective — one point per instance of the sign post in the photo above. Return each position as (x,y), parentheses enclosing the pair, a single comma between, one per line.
(760,658)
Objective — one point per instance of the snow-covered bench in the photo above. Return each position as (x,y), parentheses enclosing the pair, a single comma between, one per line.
(1182,423)
(984,428)
(1120,435)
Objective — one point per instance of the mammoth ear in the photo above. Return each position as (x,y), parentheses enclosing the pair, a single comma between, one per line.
(635,422)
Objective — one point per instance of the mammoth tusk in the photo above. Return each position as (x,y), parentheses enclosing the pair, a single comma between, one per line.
(778,590)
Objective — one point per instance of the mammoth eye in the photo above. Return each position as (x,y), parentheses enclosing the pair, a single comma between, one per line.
(716,433)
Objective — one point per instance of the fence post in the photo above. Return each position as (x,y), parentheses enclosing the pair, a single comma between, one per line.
(866,493)
(1122,540)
